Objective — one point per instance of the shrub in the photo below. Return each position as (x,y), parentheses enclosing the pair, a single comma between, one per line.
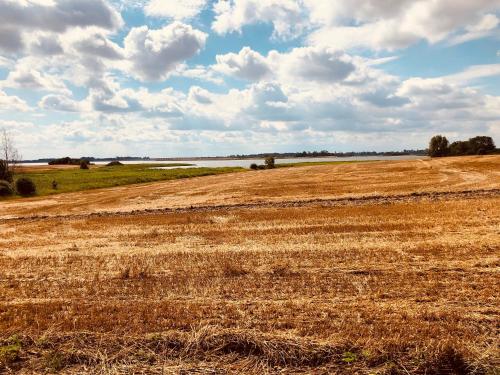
(114,163)
(5,174)
(5,188)
(270,163)
(84,164)
(55,185)
(256,167)
(25,187)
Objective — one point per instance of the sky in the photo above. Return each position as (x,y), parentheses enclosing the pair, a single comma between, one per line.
(173,78)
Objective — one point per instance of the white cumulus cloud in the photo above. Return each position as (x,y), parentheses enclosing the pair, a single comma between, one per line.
(19,18)
(153,54)
(59,103)
(12,103)
(286,16)
(179,9)
(247,64)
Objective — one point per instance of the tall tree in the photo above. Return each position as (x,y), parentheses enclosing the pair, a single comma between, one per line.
(459,148)
(9,156)
(481,145)
(438,146)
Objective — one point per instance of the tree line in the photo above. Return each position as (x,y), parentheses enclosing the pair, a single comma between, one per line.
(439,146)
(324,153)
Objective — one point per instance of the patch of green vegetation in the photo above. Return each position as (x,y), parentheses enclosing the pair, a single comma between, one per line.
(70,180)
(54,361)
(313,163)
(349,357)
(10,352)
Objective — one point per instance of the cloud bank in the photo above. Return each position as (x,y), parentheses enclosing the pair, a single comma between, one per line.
(221,76)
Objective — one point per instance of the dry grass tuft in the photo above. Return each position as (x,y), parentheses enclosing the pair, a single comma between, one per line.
(215,348)
(136,268)
(232,269)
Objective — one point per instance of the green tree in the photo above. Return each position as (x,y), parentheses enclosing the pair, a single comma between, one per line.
(459,148)
(270,163)
(481,145)
(438,146)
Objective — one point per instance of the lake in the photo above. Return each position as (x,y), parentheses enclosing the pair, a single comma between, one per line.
(245,163)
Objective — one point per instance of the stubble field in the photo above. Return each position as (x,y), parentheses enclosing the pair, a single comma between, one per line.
(384,267)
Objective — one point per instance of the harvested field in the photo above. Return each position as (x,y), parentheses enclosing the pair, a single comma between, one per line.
(284,184)
(386,267)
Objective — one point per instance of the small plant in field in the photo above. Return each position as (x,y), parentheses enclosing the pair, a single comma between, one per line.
(124,273)
(281,270)
(55,185)
(143,273)
(54,361)
(84,164)
(74,247)
(139,269)
(254,166)
(349,357)
(230,269)
(9,352)
(25,187)
(5,189)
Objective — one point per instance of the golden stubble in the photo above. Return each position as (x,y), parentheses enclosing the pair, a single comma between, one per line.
(377,287)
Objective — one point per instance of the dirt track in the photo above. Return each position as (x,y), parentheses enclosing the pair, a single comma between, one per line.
(351,201)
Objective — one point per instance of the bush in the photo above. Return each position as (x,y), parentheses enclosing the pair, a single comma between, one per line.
(5,189)
(25,187)
(270,163)
(256,167)
(114,163)
(5,174)
(84,164)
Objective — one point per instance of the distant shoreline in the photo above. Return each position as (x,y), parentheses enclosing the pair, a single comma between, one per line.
(242,157)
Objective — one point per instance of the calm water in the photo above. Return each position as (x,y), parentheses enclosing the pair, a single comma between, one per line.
(245,163)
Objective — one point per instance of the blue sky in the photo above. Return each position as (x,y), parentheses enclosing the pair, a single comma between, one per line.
(217,77)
